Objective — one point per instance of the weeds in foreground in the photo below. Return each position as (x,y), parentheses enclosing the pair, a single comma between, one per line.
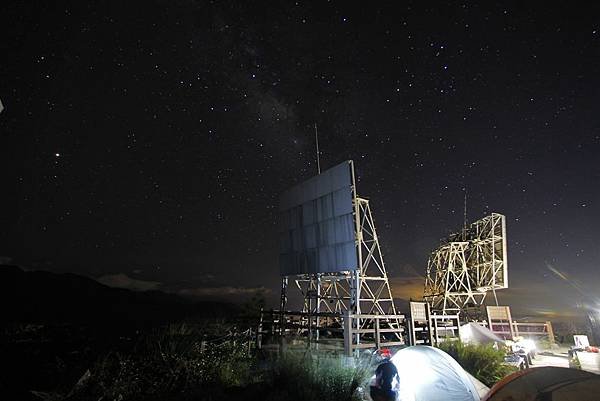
(311,376)
(175,360)
(177,363)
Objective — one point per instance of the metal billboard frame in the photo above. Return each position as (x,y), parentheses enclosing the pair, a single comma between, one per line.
(360,293)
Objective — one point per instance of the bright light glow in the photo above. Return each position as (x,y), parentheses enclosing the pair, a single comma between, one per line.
(416,371)
(527,344)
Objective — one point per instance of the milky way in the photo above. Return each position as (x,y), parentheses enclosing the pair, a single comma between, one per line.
(151,140)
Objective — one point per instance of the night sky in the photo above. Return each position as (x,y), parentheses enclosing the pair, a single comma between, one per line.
(147,143)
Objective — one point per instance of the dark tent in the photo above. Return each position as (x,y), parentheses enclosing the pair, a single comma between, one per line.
(547,384)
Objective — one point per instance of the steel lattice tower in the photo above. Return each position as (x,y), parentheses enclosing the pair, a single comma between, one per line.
(469,265)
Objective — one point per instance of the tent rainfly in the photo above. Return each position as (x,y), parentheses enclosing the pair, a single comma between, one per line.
(429,374)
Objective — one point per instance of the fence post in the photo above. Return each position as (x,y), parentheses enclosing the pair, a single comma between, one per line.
(377,342)
(510,323)
(259,329)
(429,325)
(347,333)
(550,332)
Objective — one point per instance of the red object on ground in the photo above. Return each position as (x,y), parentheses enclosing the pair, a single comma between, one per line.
(385,353)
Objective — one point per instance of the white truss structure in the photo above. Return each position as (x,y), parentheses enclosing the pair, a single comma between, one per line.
(327,297)
(488,252)
(462,271)
(365,290)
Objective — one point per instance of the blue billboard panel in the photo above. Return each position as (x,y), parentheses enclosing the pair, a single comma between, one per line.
(316,224)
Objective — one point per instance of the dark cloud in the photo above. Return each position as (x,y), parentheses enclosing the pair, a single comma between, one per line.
(122,280)
(225,292)
(5,260)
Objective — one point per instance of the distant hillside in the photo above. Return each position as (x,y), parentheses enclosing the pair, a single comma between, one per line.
(46,297)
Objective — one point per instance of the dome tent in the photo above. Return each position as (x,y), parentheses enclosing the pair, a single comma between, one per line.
(547,384)
(429,374)
(473,333)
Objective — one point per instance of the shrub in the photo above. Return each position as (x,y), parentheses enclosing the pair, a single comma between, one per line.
(310,376)
(172,361)
(574,362)
(484,362)
(177,363)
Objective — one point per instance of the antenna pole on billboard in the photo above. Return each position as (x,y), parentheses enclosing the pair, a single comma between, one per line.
(318,295)
(318,156)
(465,218)
(317,280)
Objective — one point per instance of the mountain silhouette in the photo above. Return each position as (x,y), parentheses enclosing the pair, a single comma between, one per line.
(52,298)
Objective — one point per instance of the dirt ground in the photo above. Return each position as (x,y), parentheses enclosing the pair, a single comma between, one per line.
(556,357)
